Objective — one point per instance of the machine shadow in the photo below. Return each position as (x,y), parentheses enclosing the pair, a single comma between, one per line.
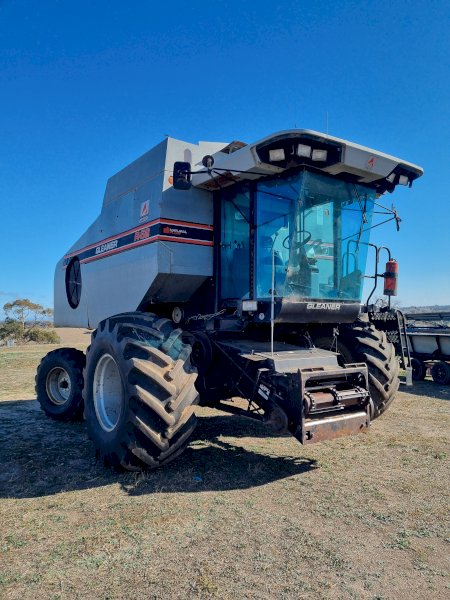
(42,457)
(212,464)
(428,389)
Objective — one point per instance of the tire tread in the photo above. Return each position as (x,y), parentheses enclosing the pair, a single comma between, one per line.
(160,391)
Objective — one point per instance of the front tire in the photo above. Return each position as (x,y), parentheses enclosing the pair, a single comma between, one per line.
(363,342)
(59,384)
(139,391)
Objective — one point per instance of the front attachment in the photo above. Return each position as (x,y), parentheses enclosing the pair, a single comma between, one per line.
(334,404)
(303,391)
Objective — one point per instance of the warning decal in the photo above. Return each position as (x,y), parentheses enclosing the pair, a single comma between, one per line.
(143,215)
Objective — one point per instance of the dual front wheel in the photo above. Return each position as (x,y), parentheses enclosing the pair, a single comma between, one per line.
(138,391)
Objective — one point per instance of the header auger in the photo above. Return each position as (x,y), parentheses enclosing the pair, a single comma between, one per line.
(218,271)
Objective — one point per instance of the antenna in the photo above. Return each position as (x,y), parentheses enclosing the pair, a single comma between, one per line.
(272,296)
(272,301)
(327,123)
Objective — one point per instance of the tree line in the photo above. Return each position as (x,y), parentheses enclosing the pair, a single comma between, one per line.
(26,321)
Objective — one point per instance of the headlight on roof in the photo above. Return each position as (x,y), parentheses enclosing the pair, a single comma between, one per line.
(319,155)
(277,155)
(304,150)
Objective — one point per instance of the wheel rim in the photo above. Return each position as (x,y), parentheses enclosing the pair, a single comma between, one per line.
(58,386)
(108,396)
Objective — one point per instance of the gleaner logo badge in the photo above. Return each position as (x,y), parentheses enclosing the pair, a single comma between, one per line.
(143,216)
(323,306)
(106,247)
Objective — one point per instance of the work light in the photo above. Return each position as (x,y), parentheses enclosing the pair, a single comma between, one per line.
(319,155)
(304,150)
(276,155)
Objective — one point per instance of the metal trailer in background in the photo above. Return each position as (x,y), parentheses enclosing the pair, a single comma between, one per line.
(429,345)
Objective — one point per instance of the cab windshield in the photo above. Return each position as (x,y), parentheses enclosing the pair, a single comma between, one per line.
(309,230)
(312,235)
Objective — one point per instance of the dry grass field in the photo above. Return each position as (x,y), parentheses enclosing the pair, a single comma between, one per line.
(241,514)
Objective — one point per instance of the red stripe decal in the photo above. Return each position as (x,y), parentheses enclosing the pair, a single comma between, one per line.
(144,242)
(121,234)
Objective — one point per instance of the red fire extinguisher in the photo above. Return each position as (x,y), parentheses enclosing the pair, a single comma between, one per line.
(391,278)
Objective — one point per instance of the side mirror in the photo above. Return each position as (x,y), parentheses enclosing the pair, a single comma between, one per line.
(182,176)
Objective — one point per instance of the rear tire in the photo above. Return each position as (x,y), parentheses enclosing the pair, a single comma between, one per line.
(419,369)
(440,372)
(139,391)
(59,384)
(363,342)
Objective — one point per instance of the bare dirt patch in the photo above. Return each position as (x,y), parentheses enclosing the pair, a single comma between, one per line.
(242,514)
(73,336)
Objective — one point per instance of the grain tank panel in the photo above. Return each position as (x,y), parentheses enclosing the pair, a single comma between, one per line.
(149,244)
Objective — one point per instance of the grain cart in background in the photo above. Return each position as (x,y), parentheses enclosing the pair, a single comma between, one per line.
(217,271)
(429,343)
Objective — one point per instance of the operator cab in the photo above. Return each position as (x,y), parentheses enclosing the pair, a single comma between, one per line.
(294,212)
(306,228)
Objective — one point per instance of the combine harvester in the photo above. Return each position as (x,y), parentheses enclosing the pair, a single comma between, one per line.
(218,271)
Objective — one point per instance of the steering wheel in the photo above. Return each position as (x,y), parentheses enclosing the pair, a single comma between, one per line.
(287,240)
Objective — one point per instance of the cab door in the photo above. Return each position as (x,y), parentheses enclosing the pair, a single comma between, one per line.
(235,243)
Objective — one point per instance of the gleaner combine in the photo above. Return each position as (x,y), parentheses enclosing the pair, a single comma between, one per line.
(217,272)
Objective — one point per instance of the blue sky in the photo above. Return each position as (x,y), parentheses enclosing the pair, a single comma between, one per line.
(86,87)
